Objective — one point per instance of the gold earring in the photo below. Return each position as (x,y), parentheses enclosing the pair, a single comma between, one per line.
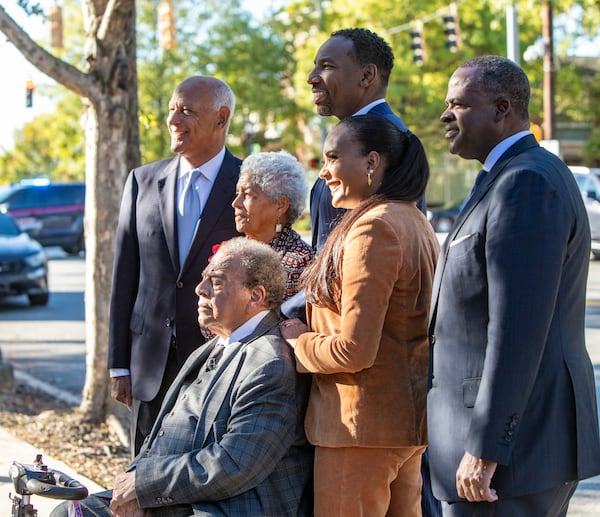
(369,177)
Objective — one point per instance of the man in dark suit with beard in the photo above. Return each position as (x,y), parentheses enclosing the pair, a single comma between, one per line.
(350,77)
(172,213)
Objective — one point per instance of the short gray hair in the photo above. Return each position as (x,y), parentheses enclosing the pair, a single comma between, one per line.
(223,96)
(261,265)
(501,76)
(278,174)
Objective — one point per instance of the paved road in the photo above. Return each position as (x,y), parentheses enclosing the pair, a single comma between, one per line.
(48,343)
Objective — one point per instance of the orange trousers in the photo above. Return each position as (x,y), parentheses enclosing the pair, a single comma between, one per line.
(368,482)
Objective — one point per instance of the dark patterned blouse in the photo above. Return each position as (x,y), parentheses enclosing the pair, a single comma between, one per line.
(295,255)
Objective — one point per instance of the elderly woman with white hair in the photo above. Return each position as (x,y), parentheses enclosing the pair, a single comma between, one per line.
(270,197)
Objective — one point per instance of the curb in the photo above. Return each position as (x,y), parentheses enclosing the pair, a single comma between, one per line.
(63,396)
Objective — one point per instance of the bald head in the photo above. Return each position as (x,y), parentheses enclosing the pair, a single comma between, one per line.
(200,111)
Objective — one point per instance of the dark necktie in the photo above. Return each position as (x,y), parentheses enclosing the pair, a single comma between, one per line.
(480,176)
(214,357)
(190,215)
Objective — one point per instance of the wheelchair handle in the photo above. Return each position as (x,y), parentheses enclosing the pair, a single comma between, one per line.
(38,480)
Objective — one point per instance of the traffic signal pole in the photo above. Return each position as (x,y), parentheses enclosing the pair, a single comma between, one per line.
(547,36)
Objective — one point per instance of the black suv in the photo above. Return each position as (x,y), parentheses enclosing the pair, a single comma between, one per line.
(52,213)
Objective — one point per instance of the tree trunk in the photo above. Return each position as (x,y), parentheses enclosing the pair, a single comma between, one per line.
(112,148)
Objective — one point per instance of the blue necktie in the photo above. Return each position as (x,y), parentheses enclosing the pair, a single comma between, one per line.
(480,175)
(189,209)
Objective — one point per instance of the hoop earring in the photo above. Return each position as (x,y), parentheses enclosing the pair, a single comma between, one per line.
(369,177)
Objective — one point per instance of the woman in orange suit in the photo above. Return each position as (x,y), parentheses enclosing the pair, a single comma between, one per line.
(368,295)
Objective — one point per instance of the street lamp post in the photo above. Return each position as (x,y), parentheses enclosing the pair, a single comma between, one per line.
(548,39)
(512,34)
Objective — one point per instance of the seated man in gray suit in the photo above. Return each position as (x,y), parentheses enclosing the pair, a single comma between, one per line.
(229,438)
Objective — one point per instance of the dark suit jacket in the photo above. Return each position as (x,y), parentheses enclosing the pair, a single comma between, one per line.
(511,378)
(323,215)
(242,451)
(150,294)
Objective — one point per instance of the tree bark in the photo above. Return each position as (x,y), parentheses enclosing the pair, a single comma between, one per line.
(109,84)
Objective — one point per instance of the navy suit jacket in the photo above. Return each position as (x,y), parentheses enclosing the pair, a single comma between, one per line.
(511,380)
(323,215)
(151,295)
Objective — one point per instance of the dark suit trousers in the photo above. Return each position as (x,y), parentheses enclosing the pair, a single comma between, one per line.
(143,414)
(551,503)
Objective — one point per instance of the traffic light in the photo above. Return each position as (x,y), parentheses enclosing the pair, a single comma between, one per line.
(452,29)
(418,44)
(29,86)
(166,25)
(56,26)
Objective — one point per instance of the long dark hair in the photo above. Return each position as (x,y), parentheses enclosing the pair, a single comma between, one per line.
(404,179)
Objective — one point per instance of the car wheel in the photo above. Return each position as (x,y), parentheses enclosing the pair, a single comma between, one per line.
(38,299)
(76,248)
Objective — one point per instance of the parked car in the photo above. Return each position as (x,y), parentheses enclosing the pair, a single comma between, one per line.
(442,218)
(589,186)
(23,264)
(52,213)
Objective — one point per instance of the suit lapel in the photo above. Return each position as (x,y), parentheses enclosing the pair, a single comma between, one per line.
(489,179)
(193,364)
(227,373)
(167,192)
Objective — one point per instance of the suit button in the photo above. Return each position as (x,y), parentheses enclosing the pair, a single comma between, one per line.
(179,285)
(161,433)
(432,339)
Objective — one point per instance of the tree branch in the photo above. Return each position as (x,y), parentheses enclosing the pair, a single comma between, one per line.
(106,18)
(62,72)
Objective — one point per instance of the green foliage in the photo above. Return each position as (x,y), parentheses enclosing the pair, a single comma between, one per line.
(266,62)
(221,39)
(51,145)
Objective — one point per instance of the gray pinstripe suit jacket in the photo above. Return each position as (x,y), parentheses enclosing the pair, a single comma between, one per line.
(248,454)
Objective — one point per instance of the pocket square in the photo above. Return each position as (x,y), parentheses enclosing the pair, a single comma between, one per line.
(461,239)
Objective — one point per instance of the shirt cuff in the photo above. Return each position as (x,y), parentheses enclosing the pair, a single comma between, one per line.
(119,372)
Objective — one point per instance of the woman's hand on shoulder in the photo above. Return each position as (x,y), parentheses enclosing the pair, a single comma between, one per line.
(291,329)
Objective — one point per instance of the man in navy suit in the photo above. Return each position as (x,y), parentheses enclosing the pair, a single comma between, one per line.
(153,323)
(350,77)
(512,415)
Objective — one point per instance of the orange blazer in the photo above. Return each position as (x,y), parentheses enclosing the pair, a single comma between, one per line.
(370,363)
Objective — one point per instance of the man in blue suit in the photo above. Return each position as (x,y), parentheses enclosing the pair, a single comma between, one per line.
(512,415)
(350,77)
(172,213)
(229,439)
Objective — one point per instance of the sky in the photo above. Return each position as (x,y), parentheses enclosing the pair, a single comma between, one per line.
(17,70)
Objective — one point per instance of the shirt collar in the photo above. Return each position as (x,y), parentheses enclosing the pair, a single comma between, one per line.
(209,169)
(501,148)
(365,109)
(244,330)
